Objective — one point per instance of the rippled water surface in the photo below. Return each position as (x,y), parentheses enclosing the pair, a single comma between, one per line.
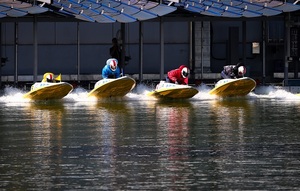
(139,143)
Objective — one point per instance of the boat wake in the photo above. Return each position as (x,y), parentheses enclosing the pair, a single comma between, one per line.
(139,93)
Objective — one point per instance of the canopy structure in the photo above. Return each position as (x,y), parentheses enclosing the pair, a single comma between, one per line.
(238,8)
(15,8)
(101,11)
(126,11)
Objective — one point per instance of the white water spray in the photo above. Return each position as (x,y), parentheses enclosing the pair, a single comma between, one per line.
(15,95)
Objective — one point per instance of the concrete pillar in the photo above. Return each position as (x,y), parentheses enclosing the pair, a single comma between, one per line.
(233,46)
(202,47)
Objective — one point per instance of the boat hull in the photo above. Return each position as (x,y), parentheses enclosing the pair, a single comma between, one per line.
(49,91)
(174,91)
(118,87)
(233,87)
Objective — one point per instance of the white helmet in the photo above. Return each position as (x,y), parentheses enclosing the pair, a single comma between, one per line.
(185,72)
(241,70)
(113,63)
(49,78)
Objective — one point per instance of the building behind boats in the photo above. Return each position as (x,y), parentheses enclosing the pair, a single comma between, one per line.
(78,50)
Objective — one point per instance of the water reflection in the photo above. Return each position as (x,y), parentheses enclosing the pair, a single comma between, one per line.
(230,119)
(173,120)
(29,146)
(46,121)
(173,127)
(238,144)
(47,134)
(231,114)
(115,118)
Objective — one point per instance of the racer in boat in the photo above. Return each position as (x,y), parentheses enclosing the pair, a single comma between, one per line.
(179,75)
(111,69)
(233,71)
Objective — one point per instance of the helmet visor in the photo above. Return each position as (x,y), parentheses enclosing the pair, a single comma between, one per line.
(185,72)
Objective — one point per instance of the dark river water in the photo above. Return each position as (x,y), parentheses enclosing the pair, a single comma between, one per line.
(139,143)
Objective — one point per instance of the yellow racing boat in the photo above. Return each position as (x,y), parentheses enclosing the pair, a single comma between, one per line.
(173,91)
(49,88)
(233,87)
(109,87)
